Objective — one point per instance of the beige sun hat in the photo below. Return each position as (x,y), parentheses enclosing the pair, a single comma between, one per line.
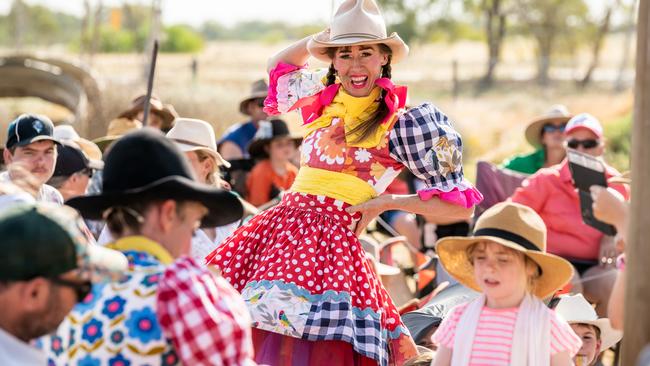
(357,22)
(259,89)
(116,129)
(191,134)
(514,226)
(89,148)
(557,113)
(575,309)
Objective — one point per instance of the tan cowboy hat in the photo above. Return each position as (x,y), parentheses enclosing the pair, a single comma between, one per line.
(514,226)
(116,129)
(259,89)
(357,22)
(193,135)
(165,111)
(89,148)
(557,113)
(575,309)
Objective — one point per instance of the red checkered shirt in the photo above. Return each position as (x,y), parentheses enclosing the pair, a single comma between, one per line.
(204,317)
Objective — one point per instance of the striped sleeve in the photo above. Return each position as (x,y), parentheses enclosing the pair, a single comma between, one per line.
(444,335)
(563,338)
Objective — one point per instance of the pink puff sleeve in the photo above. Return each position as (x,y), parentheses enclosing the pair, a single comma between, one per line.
(426,143)
(289,84)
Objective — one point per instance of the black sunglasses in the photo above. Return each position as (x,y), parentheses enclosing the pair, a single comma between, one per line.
(87,171)
(587,144)
(81,289)
(549,127)
(260,102)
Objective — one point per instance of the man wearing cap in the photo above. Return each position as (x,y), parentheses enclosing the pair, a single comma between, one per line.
(31,144)
(48,265)
(170,310)
(552,194)
(73,171)
(545,135)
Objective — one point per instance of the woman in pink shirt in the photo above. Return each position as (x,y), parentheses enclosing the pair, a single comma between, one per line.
(506,260)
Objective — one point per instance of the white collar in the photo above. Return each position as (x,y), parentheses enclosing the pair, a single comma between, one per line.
(13,351)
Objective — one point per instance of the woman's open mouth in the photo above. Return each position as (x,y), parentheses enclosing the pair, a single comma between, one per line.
(490,282)
(359,82)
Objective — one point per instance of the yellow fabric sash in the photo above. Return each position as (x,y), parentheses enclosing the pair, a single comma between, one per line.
(142,244)
(353,111)
(340,186)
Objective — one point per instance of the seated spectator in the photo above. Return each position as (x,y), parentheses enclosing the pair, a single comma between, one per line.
(116,129)
(552,194)
(596,333)
(273,147)
(161,116)
(545,135)
(73,171)
(47,266)
(31,144)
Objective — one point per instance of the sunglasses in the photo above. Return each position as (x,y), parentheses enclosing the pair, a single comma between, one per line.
(87,171)
(548,128)
(260,102)
(587,144)
(81,289)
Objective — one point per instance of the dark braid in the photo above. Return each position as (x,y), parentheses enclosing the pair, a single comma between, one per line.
(331,75)
(387,69)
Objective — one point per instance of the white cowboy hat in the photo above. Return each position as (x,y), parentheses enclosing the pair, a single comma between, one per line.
(357,22)
(194,134)
(576,310)
(557,113)
(514,226)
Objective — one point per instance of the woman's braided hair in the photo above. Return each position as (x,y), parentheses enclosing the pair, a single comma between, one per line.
(366,128)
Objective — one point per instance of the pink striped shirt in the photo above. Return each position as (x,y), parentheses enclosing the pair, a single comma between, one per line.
(494,332)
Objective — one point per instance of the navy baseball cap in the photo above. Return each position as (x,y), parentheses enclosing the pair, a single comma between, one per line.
(71,159)
(29,128)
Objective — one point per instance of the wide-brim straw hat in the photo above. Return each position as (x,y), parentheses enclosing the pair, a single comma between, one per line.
(165,111)
(356,23)
(259,90)
(92,152)
(116,129)
(557,114)
(144,163)
(514,226)
(191,134)
(575,309)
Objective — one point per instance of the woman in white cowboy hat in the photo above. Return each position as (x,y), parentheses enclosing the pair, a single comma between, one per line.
(596,333)
(312,293)
(505,259)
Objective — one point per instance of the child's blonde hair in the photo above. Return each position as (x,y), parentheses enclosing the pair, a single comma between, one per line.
(533,270)
(213,178)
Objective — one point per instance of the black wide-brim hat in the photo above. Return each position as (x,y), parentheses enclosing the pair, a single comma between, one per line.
(267,132)
(144,163)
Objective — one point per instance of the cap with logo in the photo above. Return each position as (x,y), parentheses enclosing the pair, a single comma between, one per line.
(29,128)
(71,159)
(47,240)
(585,121)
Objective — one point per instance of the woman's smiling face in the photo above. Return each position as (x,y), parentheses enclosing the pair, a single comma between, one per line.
(358,67)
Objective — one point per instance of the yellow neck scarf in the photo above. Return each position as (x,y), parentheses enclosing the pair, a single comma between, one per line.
(353,111)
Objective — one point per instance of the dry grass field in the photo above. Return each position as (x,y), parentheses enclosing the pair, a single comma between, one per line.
(492,123)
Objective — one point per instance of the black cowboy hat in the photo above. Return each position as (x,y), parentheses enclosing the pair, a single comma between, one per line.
(145,163)
(267,132)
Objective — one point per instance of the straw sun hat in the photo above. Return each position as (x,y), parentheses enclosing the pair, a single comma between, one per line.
(557,114)
(514,226)
(357,22)
(576,310)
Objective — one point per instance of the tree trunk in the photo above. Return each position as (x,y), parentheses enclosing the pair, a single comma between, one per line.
(597,46)
(495,29)
(85,23)
(544,44)
(627,43)
(637,287)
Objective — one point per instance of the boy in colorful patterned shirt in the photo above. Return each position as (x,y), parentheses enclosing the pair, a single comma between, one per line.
(168,310)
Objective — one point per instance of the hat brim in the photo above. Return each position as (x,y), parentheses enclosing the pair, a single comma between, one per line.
(452,251)
(317,47)
(244,103)
(92,151)
(104,264)
(608,335)
(534,129)
(105,141)
(256,147)
(217,157)
(37,139)
(223,207)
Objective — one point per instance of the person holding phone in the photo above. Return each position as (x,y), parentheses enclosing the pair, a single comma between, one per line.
(552,194)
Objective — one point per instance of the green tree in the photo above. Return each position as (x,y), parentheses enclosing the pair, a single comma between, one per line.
(181,38)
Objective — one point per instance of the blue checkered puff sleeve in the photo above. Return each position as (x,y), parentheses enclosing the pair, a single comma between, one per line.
(425,142)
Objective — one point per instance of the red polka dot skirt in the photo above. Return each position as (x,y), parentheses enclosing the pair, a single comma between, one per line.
(303,273)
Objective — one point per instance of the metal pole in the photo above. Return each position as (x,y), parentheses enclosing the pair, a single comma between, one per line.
(152,71)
